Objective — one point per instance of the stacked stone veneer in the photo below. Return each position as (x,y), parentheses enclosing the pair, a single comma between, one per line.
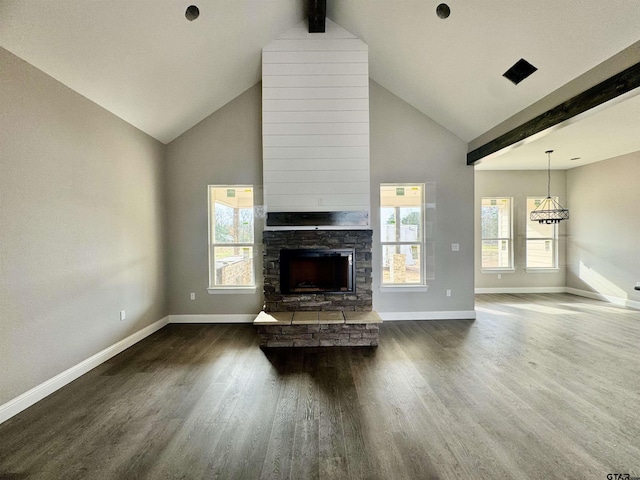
(318,329)
(320,335)
(276,240)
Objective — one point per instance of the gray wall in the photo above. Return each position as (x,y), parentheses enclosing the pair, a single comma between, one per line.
(224,149)
(406,146)
(519,185)
(604,242)
(81,229)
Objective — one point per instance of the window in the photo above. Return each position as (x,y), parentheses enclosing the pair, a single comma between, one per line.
(402,234)
(497,233)
(231,244)
(541,240)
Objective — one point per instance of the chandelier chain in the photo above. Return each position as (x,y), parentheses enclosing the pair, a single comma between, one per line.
(549,174)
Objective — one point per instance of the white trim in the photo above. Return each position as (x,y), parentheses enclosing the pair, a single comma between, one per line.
(443,315)
(403,288)
(521,290)
(232,290)
(37,393)
(607,298)
(214,318)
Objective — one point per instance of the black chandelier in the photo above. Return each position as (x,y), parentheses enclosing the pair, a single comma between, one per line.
(549,211)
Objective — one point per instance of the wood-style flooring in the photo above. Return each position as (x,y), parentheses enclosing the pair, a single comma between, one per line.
(537,387)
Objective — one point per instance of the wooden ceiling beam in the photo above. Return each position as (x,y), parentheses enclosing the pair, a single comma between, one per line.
(317,16)
(609,89)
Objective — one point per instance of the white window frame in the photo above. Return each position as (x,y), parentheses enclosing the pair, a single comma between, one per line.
(553,240)
(240,289)
(509,239)
(413,286)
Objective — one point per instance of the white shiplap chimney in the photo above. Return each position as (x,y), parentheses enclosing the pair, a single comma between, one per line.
(315,121)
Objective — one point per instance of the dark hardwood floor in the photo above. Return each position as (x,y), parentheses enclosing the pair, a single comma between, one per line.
(538,387)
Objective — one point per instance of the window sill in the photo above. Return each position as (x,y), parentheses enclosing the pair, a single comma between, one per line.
(498,270)
(404,288)
(232,290)
(542,270)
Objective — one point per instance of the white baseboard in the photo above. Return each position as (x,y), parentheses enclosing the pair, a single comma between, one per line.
(214,318)
(607,298)
(521,290)
(385,316)
(443,315)
(37,393)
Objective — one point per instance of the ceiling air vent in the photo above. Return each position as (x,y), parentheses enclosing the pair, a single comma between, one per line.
(520,70)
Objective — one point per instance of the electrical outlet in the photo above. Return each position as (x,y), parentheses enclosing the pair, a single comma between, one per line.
(320,201)
(455,247)
(448,292)
(499,276)
(193,296)
(123,315)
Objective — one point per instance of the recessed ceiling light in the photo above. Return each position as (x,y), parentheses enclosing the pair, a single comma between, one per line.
(443,11)
(192,13)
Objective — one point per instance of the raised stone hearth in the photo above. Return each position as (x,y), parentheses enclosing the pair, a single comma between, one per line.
(318,329)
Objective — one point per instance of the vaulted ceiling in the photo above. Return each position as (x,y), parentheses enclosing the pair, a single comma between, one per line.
(145,62)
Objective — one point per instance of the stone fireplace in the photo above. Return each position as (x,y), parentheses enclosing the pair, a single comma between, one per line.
(324,270)
(315,137)
(317,289)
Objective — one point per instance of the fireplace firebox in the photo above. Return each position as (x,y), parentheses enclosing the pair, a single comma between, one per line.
(309,270)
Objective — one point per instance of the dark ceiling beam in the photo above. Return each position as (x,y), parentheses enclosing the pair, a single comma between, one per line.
(609,89)
(317,15)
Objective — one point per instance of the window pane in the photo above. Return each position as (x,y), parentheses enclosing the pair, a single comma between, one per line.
(540,254)
(489,221)
(232,214)
(245,225)
(388,224)
(496,254)
(410,224)
(401,264)
(223,228)
(233,266)
(401,212)
(496,218)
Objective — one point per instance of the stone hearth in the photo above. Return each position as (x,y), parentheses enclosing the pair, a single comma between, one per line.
(318,329)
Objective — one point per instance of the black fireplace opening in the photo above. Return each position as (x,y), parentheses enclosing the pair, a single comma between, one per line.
(317,270)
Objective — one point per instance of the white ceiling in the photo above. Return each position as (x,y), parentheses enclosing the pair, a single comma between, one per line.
(143,61)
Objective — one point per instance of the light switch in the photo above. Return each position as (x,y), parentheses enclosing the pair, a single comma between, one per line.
(455,247)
